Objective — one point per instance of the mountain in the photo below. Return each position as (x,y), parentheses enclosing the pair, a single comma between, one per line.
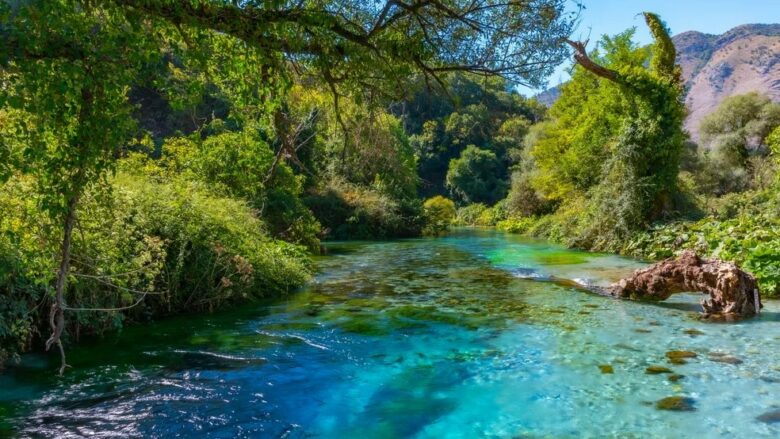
(549,96)
(744,59)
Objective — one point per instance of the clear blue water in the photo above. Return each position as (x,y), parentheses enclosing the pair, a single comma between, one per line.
(455,337)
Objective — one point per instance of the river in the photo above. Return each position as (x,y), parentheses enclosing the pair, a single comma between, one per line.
(461,336)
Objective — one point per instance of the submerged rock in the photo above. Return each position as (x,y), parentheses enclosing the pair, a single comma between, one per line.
(655,370)
(606,368)
(732,291)
(693,332)
(770,417)
(728,359)
(675,377)
(679,357)
(677,404)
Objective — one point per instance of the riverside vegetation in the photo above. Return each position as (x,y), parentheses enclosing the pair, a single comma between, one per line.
(167,157)
(163,157)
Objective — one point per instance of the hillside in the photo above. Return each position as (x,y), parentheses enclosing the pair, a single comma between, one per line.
(744,59)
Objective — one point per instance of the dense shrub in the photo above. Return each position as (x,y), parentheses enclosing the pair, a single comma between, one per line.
(159,248)
(240,164)
(469,214)
(349,211)
(439,214)
(516,225)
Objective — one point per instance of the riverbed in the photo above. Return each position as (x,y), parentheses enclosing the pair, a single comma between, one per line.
(463,336)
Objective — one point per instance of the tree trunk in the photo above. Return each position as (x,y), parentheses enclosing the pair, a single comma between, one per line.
(57,316)
(732,291)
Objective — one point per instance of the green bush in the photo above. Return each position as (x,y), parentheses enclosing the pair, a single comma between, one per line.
(349,211)
(469,214)
(238,164)
(473,177)
(439,214)
(492,215)
(170,247)
(750,239)
(516,225)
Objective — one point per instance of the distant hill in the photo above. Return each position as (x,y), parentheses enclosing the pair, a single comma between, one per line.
(744,59)
(549,96)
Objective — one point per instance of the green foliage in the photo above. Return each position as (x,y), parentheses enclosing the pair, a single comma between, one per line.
(516,225)
(469,214)
(439,214)
(475,111)
(735,139)
(349,211)
(609,157)
(473,177)
(173,244)
(239,164)
(750,239)
(493,215)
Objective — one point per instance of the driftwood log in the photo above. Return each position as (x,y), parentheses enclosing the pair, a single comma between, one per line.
(732,292)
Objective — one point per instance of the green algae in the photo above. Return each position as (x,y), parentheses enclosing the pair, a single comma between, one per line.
(656,370)
(676,404)
(680,357)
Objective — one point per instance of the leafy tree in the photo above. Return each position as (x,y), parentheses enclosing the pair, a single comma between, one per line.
(611,153)
(751,117)
(439,214)
(474,176)
(733,136)
(474,110)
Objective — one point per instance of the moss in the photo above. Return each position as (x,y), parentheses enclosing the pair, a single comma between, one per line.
(606,369)
(561,258)
(679,357)
(677,404)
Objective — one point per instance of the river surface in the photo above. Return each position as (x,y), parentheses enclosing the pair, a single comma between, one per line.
(462,336)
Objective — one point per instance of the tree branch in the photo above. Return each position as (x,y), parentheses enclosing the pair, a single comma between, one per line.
(582,58)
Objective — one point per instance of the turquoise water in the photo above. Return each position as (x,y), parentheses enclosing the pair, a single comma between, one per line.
(463,336)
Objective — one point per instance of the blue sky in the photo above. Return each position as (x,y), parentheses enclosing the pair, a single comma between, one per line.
(708,16)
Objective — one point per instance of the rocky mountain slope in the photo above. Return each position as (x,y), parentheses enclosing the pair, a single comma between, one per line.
(744,59)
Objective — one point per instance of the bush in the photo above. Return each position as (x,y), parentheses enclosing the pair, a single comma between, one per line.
(516,225)
(492,215)
(238,164)
(469,215)
(170,247)
(750,239)
(349,211)
(439,214)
